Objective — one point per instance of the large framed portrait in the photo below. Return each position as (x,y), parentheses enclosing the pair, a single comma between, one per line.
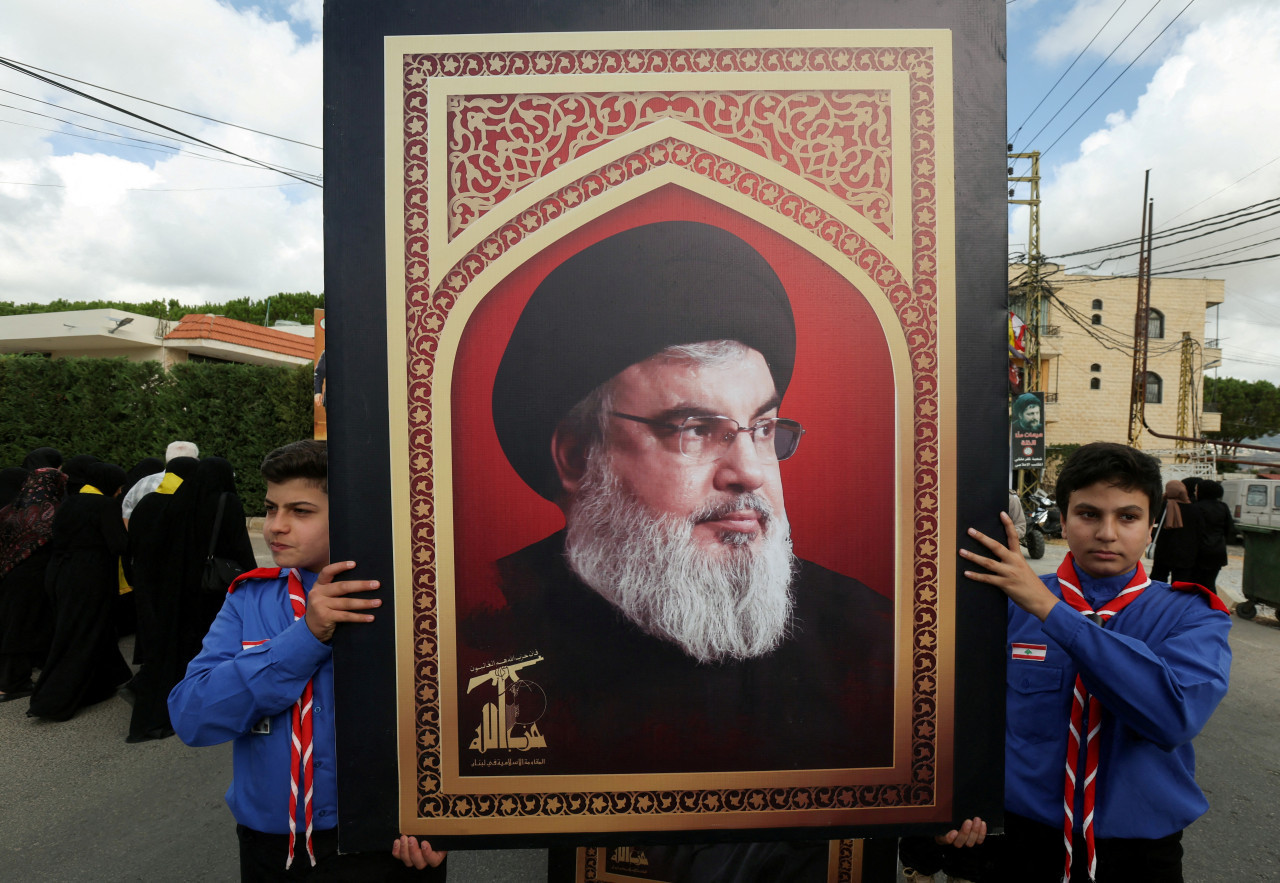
(672,437)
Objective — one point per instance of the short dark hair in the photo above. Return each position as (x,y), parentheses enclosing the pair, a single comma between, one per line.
(307,459)
(1118,465)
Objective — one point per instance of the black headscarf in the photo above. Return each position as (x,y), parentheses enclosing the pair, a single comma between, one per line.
(106,477)
(12,478)
(77,471)
(195,503)
(42,458)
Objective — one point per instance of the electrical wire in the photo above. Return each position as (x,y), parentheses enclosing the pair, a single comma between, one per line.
(1225,189)
(16,67)
(1263,206)
(167,151)
(1117,79)
(1092,74)
(158,104)
(1041,102)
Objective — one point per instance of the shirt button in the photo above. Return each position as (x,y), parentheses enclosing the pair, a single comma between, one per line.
(317,709)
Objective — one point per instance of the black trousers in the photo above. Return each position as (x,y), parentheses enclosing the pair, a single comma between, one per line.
(1034,852)
(262,858)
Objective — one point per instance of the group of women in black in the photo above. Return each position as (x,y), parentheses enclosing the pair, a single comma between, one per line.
(1191,542)
(75,578)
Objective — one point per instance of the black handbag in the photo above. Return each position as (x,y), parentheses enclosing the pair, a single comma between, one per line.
(218,572)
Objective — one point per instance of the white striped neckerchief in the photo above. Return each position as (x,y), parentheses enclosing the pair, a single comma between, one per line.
(1072,595)
(300,739)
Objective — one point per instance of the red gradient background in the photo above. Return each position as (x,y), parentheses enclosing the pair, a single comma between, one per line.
(838,487)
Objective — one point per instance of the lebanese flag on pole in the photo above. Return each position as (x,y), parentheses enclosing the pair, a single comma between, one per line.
(1033,652)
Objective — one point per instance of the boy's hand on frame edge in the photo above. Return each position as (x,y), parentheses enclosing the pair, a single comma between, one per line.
(328,602)
(1009,571)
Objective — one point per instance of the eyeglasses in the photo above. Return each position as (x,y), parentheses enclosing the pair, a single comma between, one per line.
(708,438)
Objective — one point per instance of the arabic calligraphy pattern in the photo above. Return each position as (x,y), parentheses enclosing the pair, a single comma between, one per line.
(839,140)
(916,306)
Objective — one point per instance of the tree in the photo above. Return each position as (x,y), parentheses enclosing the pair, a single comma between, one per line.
(293,306)
(1250,409)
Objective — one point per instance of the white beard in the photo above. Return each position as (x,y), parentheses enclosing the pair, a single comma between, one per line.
(733,607)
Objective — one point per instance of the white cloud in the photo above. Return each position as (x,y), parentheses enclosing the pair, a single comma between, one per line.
(309,11)
(148,225)
(1204,123)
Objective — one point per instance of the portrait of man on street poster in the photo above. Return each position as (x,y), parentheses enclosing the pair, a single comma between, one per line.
(672,428)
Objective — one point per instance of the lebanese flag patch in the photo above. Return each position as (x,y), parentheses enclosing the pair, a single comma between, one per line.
(1034,652)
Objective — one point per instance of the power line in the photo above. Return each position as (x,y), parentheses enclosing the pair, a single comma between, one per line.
(158,104)
(1092,74)
(1067,71)
(1202,235)
(161,189)
(73,110)
(1225,189)
(16,67)
(167,151)
(1117,79)
(1264,205)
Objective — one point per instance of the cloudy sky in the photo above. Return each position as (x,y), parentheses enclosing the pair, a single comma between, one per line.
(1194,108)
(1105,89)
(86,219)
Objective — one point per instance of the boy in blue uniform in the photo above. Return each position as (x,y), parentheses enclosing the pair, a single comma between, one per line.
(264,678)
(1110,677)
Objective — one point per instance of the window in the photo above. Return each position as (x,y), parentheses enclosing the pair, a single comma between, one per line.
(1155,324)
(1097,303)
(1097,319)
(1095,383)
(1155,388)
(1257,495)
(1095,367)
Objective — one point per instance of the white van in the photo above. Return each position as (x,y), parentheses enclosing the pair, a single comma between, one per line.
(1253,500)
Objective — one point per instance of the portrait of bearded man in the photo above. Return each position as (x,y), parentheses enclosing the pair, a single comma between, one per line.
(669,627)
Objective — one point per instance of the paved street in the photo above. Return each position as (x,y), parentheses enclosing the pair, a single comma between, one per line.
(81,805)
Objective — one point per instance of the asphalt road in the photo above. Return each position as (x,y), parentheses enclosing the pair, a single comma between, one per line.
(78,804)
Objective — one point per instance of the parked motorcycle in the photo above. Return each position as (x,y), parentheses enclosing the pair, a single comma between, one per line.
(1043,520)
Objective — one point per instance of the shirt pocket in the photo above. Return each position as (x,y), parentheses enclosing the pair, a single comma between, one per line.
(1035,700)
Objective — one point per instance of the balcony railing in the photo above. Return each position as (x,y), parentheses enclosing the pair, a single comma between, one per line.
(1212,343)
(1051,398)
(1211,408)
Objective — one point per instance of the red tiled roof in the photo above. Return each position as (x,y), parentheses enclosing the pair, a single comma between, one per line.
(200,326)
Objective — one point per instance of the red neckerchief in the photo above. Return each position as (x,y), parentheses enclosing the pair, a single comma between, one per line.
(1072,595)
(301,731)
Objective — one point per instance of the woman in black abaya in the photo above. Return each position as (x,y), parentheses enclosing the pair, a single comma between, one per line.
(183,610)
(84,664)
(26,616)
(195,513)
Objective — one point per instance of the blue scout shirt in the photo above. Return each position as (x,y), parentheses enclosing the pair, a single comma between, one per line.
(255,661)
(1159,668)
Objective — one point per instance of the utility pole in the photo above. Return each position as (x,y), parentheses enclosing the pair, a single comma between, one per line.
(1186,383)
(1033,291)
(1033,287)
(1141,322)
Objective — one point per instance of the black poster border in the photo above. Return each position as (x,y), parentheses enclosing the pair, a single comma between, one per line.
(355,278)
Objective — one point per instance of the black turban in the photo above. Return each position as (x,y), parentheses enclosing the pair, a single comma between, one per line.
(618,302)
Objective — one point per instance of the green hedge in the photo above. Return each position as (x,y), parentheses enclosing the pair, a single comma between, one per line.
(122,411)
